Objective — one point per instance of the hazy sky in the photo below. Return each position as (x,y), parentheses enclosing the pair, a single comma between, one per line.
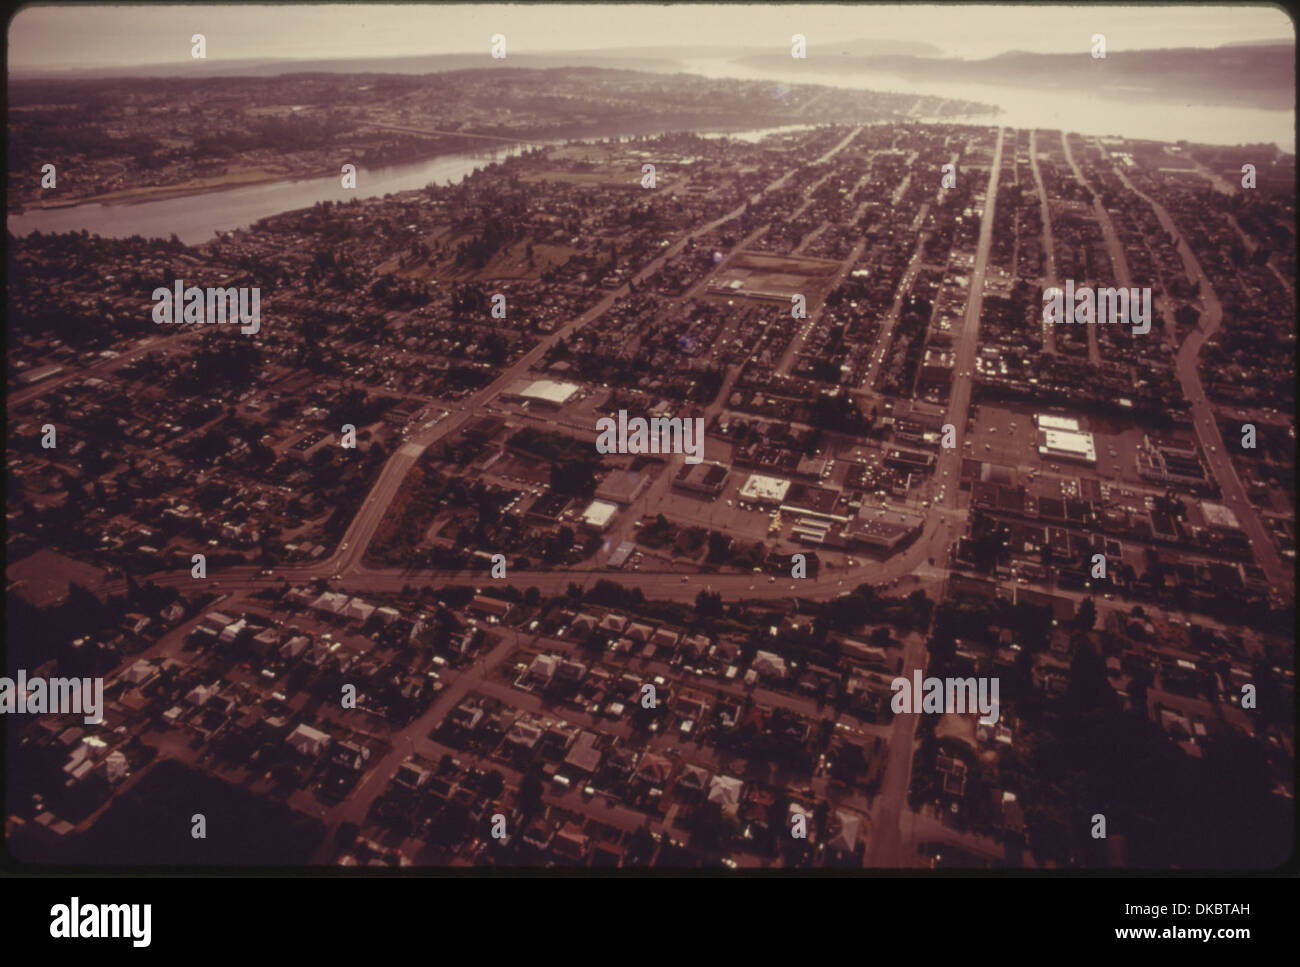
(104,36)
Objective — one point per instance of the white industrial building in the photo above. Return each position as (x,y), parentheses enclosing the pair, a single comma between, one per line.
(765,490)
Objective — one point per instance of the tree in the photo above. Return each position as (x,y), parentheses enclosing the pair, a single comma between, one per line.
(641,847)
(708,605)
(530,792)
(849,763)
(493,784)
(1086,617)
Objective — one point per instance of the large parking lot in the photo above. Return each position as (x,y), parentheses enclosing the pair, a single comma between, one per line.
(1006,435)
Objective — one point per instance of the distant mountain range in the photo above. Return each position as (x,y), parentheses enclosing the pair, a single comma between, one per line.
(1241,74)
(422,64)
(632,58)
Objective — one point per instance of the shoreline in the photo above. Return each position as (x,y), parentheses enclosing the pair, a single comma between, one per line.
(137,196)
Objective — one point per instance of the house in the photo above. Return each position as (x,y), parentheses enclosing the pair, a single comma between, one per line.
(620,761)
(538,834)
(613,623)
(141,673)
(295,646)
(524,735)
(725,791)
(303,597)
(358,609)
(846,829)
(115,766)
(571,843)
(693,779)
(308,741)
(330,602)
(638,632)
(557,739)
(134,624)
(350,755)
(654,769)
(232,631)
(544,668)
(493,608)
(466,716)
(571,671)
(584,624)
(265,640)
(769,665)
(667,638)
(954,775)
(584,755)
(199,694)
(215,621)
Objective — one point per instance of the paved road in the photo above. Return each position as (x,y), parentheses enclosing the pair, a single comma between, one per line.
(1112,241)
(889,846)
(1207,429)
(1049,250)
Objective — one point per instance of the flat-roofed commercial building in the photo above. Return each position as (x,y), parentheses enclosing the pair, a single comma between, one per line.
(1219,517)
(1067,445)
(623,486)
(620,555)
(765,491)
(709,479)
(883,528)
(547,392)
(1046,421)
(599,515)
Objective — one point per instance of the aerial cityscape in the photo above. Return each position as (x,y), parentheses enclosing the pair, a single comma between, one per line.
(535,456)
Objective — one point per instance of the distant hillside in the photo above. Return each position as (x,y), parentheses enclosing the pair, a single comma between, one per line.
(631,58)
(1260,75)
(878,47)
(1237,75)
(1253,43)
(424,64)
